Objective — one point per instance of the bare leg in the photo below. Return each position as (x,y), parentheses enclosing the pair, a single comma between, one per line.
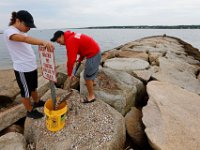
(27,103)
(89,85)
(94,83)
(34,95)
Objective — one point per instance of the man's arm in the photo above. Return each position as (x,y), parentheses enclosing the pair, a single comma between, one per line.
(72,50)
(80,59)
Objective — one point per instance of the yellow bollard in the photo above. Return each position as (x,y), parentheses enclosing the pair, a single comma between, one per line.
(55,119)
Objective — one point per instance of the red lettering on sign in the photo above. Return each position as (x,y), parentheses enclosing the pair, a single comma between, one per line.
(47,60)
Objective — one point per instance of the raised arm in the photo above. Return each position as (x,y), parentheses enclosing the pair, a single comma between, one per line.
(31,40)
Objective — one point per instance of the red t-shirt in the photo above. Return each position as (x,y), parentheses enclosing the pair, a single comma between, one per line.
(79,44)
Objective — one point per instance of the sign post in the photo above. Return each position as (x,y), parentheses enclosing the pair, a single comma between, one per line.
(47,60)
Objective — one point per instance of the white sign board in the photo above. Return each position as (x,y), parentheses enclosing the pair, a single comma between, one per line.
(47,60)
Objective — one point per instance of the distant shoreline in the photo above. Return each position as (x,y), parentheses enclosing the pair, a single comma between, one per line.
(144,27)
(138,27)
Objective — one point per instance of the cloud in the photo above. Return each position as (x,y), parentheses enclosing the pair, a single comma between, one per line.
(79,13)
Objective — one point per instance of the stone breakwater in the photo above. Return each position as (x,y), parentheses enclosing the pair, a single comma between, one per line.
(148,97)
(155,83)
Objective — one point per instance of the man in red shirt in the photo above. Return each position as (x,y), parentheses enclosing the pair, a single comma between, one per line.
(84,46)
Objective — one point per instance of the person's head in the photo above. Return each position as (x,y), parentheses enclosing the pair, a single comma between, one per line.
(58,37)
(22,20)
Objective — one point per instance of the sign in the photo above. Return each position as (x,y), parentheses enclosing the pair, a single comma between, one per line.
(47,60)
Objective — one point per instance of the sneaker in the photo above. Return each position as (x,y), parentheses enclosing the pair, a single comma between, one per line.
(38,104)
(34,114)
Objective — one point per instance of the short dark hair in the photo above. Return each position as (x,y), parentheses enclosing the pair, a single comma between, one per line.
(56,35)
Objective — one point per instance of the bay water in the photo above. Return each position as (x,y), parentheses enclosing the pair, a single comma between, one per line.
(107,39)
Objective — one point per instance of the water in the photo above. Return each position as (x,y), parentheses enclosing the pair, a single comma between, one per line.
(107,39)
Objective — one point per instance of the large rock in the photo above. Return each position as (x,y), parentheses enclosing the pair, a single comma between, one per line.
(171,117)
(8,84)
(154,44)
(126,64)
(135,127)
(61,78)
(178,73)
(139,48)
(12,141)
(143,75)
(11,115)
(43,86)
(108,55)
(13,128)
(88,126)
(132,54)
(118,89)
(153,58)
(182,56)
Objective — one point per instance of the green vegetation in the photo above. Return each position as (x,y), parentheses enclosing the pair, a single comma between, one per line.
(146,27)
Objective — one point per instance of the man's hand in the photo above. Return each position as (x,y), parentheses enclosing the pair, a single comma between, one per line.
(73,78)
(78,64)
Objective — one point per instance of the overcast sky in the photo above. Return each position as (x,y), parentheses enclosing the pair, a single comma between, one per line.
(50,14)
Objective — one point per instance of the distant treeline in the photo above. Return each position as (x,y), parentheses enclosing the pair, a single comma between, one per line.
(146,27)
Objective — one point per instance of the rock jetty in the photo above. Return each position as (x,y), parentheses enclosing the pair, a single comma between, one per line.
(148,97)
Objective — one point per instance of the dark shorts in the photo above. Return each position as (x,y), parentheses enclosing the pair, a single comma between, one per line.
(27,82)
(92,67)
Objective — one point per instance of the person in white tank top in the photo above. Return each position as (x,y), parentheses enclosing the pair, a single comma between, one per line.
(24,61)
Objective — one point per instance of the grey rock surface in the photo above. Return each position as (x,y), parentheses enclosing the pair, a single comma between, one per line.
(94,126)
(11,115)
(8,84)
(178,73)
(12,141)
(126,64)
(118,89)
(171,117)
(135,127)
